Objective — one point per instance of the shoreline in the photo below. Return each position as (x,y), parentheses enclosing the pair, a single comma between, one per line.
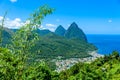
(66,64)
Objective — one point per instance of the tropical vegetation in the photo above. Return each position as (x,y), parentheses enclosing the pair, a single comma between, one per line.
(17,56)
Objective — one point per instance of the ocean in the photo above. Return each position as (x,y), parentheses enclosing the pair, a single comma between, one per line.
(106,44)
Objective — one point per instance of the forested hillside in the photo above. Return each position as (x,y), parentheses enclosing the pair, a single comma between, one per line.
(19,55)
(54,44)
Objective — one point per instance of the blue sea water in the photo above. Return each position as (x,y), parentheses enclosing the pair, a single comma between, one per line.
(105,43)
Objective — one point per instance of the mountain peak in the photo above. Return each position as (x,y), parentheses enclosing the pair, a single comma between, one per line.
(75,32)
(60,30)
(60,26)
(74,26)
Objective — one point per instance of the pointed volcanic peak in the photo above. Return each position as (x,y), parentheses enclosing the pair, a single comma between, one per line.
(60,30)
(75,32)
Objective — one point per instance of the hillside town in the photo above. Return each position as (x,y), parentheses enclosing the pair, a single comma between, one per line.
(67,63)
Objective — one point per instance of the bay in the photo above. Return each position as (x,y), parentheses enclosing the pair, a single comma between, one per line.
(106,44)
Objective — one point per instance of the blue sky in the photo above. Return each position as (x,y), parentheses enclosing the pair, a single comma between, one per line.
(93,16)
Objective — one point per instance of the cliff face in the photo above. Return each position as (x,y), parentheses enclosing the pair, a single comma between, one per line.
(60,30)
(75,32)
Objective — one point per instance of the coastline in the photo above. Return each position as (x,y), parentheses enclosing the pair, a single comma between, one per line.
(66,64)
(95,54)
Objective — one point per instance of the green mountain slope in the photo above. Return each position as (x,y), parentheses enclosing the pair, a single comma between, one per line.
(6,36)
(52,46)
(75,32)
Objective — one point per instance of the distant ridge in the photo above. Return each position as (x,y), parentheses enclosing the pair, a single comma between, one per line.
(42,32)
(6,36)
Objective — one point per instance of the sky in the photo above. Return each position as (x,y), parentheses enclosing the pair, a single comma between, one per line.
(92,16)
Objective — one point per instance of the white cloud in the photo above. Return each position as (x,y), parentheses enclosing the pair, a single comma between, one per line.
(18,19)
(110,20)
(27,22)
(7,19)
(13,1)
(42,27)
(15,23)
(46,27)
(50,25)
(1,18)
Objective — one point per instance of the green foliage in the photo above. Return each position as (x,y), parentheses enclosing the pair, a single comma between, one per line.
(38,15)
(39,71)
(12,67)
(14,59)
(1,29)
(6,64)
(106,70)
